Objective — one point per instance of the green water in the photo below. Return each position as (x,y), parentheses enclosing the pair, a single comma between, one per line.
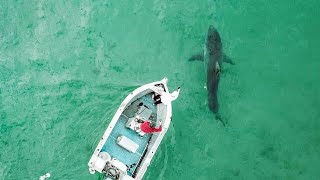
(66,66)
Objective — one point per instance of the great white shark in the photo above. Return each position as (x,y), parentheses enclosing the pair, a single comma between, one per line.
(213,57)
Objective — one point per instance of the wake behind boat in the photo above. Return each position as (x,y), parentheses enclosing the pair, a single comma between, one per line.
(134,133)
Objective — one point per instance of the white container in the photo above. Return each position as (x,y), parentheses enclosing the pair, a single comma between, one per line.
(127,143)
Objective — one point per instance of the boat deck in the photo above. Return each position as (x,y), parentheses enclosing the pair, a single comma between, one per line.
(146,100)
(117,151)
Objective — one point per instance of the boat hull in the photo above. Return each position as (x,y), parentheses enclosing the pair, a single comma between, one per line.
(130,147)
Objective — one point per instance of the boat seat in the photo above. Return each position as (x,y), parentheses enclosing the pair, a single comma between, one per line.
(118,164)
(99,164)
(127,144)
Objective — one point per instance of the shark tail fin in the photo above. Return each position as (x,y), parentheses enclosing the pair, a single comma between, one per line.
(220,119)
(197,57)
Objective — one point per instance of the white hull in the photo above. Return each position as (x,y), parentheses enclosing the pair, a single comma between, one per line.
(134,150)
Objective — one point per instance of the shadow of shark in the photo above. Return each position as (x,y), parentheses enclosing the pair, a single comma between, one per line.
(213,58)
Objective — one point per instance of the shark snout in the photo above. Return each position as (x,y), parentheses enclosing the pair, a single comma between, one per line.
(212,30)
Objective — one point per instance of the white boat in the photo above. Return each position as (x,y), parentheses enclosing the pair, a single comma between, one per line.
(125,151)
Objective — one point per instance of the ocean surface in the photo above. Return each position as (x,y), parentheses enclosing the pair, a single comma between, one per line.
(65,67)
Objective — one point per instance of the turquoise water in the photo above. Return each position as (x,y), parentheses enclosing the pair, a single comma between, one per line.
(66,66)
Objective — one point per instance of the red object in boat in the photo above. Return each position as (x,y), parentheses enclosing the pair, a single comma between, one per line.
(145,127)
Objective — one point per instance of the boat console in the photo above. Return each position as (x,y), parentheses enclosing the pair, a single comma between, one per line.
(142,115)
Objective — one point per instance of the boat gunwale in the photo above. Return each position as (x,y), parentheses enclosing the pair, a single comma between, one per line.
(126,103)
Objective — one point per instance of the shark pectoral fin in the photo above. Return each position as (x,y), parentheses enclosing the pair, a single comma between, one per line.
(197,57)
(227,59)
